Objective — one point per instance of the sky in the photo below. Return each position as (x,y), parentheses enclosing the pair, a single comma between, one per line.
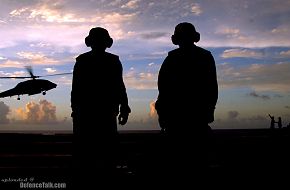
(250,41)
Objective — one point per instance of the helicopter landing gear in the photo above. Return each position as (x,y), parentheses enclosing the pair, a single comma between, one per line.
(43,93)
(18,98)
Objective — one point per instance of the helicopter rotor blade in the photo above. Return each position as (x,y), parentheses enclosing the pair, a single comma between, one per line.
(32,76)
(55,74)
(14,77)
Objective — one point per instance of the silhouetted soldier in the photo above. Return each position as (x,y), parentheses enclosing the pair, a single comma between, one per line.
(98,97)
(279,122)
(188,93)
(272,124)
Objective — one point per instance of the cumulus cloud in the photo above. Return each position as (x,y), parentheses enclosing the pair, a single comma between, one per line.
(153,112)
(150,122)
(4,111)
(141,81)
(43,112)
(136,79)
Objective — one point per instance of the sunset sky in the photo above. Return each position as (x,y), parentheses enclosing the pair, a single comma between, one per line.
(250,41)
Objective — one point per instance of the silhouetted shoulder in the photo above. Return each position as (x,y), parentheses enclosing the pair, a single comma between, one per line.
(89,54)
(202,50)
(83,56)
(111,55)
(199,50)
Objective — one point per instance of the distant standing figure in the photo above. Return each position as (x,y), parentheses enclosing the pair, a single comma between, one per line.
(272,124)
(279,122)
(188,92)
(98,97)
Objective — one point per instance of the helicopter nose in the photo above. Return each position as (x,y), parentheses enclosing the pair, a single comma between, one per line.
(53,85)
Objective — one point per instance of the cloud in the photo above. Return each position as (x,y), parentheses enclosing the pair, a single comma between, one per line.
(2,22)
(30,58)
(196,9)
(153,112)
(69,13)
(230,53)
(250,122)
(145,123)
(50,70)
(2,58)
(13,64)
(4,111)
(13,74)
(153,35)
(36,58)
(233,114)
(234,32)
(133,4)
(285,53)
(231,36)
(35,23)
(43,112)
(270,30)
(281,30)
(255,118)
(261,96)
(46,12)
(142,78)
(64,80)
(260,77)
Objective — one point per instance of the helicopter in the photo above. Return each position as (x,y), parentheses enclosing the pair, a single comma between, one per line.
(30,87)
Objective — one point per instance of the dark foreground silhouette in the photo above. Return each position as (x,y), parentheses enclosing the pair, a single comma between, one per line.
(239,155)
(98,97)
(188,92)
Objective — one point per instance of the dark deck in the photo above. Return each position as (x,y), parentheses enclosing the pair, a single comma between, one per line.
(49,157)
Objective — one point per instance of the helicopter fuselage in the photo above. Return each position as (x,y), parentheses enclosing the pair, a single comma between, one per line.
(29,87)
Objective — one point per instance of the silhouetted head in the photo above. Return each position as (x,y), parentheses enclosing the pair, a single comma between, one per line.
(185,34)
(99,38)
